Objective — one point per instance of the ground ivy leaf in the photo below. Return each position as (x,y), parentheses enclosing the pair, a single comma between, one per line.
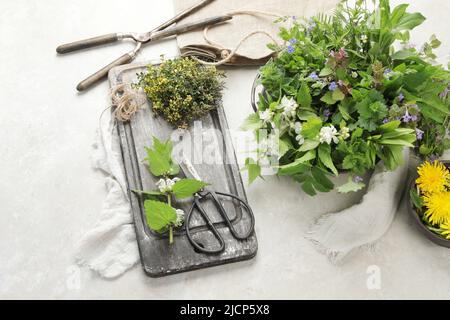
(186,188)
(324,152)
(338,95)
(159,215)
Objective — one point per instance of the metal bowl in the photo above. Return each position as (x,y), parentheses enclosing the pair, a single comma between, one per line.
(429,234)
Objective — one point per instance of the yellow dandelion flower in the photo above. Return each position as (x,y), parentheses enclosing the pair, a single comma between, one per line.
(433,177)
(438,207)
(445,227)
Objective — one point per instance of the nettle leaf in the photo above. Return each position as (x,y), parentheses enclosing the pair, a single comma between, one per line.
(308,187)
(351,186)
(159,215)
(304,98)
(338,95)
(253,122)
(293,168)
(254,170)
(310,155)
(326,72)
(158,164)
(324,152)
(311,128)
(186,188)
(328,98)
(322,183)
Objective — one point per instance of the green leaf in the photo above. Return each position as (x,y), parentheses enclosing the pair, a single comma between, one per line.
(293,168)
(415,198)
(309,145)
(403,55)
(311,128)
(396,142)
(338,95)
(158,164)
(310,155)
(351,186)
(253,122)
(186,188)
(325,72)
(390,126)
(308,187)
(159,215)
(322,179)
(254,171)
(325,157)
(328,98)
(409,21)
(304,98)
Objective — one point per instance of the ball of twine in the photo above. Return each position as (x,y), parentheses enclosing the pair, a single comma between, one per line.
(126,102)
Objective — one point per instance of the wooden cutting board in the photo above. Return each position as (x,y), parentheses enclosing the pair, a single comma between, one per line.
(157,256)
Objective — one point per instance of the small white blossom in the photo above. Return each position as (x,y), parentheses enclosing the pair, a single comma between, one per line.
(180,218)
(364,38)
(166,185)
(289,106)
(328,134)
(298,129)
(345,133)
(354,74)
(266,115)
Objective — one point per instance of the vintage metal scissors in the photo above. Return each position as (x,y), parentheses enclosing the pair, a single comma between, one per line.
(209,193)
(140,38)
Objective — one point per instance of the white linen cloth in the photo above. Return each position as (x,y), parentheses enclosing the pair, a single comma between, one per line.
(338,234)
(110,248)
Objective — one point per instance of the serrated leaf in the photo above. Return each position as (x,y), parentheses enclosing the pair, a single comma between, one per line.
(186,188)
(304,98)
(325,72)
(159,215)
(415,198)
(253,122)
(338,95)
(324,152)
(157,163)
(311,128)
(293,168)
(328,98)
(308,187)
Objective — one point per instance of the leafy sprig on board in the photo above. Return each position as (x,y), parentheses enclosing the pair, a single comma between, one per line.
(163,217)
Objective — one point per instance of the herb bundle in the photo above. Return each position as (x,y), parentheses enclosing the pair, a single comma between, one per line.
(161,216)
(182,90)
(341,97)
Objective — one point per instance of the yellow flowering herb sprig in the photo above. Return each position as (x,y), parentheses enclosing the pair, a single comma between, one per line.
(182,90)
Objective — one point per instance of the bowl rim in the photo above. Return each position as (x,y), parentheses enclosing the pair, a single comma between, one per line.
(428,233)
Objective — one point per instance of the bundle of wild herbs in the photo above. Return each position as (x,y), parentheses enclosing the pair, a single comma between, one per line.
(182,90)
(339,96)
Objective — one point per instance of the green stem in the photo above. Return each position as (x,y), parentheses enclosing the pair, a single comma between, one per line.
(171,235)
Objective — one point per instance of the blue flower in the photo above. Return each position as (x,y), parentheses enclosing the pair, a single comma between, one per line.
(358,179)
(290,49)
(401,97)
(314,76)
(385,120)
(327,113)
(293,41)
(333,86)
(419,134)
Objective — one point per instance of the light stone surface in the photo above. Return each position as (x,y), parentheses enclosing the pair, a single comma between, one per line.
(50,195)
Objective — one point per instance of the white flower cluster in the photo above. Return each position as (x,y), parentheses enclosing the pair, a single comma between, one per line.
(166,185)
(298,132)
(289,107)
(180,218)
(330,134)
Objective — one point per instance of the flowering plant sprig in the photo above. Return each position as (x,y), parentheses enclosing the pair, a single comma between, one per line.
(163,217)
(431,197)
(341,97)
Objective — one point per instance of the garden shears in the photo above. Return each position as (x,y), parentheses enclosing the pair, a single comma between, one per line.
(202,196)
(163,31)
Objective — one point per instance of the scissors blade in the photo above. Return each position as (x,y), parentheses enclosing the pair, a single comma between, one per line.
(189,169)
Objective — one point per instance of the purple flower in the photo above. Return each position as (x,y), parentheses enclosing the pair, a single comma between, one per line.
(444,93)
(294,17)
(358,179)
(414,118)
(385,120)
(387,71)
(293,41)
(333,86)
(419,134)
(401,97)
(408,118)
(290,49)
(327,113)
(341,83)
(314,76)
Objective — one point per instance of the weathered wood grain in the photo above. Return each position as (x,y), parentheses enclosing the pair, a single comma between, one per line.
(157,256)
